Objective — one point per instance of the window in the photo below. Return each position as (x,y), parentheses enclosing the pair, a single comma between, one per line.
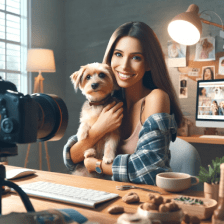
(13,42)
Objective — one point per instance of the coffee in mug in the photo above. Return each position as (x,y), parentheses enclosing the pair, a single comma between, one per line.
(175,182)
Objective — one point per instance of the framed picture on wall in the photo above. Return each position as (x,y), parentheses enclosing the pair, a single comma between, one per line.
(205,49)
(183,86)
(193,71)
(176,54)
(208,72)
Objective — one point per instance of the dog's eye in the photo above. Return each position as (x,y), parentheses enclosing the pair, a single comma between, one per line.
(88,77)
(101,75)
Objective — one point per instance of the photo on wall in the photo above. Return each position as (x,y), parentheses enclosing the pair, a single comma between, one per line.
(221,66)
(208,73)
(176,54)
(183,86)
(193,71)
(205,49)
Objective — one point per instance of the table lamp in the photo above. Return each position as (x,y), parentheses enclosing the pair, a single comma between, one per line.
(186,28)
(40,60)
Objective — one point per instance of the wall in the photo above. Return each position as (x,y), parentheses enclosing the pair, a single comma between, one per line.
(78,31)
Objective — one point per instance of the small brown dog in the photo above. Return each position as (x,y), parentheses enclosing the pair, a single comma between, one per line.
(97,83)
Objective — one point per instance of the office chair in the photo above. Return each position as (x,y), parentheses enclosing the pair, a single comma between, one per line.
(185,159)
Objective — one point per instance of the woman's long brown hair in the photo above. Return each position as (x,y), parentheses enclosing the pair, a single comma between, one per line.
(158,76)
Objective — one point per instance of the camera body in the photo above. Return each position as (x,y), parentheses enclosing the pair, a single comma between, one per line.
(18,117)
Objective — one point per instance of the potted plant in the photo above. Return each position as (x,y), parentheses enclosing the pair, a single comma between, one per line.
(211,178)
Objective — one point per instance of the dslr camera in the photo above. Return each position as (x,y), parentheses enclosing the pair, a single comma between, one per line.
(29,118)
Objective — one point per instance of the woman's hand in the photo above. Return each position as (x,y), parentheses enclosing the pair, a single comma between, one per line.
(110,118)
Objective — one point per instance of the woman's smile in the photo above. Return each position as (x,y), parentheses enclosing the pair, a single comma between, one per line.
(124,76)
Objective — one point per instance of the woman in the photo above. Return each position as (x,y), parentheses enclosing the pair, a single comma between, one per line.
(146,119)
(208,74)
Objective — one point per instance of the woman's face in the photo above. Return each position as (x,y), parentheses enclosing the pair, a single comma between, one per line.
(208,74)
(128,62)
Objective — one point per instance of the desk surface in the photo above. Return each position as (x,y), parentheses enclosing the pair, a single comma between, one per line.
(12,203)
(196,139)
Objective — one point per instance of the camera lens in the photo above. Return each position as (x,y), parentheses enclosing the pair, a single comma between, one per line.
(52,117)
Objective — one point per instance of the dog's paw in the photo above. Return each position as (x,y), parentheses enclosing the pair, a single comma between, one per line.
(108,160)
(90,153)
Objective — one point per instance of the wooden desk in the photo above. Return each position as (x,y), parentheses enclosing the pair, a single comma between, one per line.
(12,203)
(196,139)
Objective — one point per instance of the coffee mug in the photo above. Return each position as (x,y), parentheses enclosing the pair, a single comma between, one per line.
(175,182)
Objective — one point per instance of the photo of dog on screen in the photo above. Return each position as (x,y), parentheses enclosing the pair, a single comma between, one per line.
(216,92)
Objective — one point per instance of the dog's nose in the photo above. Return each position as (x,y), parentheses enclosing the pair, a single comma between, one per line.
(95,85)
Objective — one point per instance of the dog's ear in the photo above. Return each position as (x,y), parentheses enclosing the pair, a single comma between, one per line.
(76,77)
(116,86)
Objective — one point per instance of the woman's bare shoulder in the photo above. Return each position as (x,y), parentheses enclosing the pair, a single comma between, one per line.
(157,101)
(157,94)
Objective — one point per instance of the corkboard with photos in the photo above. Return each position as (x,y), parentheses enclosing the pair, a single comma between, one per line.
(195,69)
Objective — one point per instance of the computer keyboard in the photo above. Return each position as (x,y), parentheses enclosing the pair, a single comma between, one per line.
(68,194)
(212,136)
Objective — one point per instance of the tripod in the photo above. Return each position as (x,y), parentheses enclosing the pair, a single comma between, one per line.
(22,194)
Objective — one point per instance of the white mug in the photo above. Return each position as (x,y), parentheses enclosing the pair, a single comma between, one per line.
(175,182)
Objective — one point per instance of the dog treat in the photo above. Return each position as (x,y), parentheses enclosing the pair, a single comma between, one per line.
(158,200)
(194,220)
(186,218)
(159,204)
(149,206)
(116,209)
(151,196)
(163,208)
(131,197)
(172,206)
(152,199)
(166,200)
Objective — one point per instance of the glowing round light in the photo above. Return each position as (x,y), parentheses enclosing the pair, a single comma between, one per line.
(183,32)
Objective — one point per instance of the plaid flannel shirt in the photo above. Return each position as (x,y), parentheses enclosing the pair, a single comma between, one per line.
(151,156)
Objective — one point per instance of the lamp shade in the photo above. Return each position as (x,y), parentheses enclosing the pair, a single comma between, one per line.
(40,60)
(186,28)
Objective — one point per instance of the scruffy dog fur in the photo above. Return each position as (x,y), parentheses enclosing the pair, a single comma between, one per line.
(97,83)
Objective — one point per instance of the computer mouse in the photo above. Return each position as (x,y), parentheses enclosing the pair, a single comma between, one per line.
(19,173)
